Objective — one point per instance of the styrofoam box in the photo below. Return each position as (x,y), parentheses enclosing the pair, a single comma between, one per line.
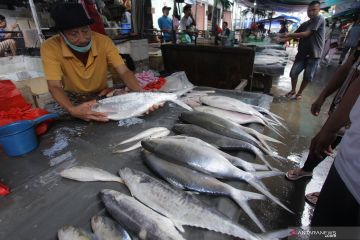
(138,49)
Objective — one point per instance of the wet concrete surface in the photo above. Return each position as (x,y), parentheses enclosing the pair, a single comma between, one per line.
(302,127)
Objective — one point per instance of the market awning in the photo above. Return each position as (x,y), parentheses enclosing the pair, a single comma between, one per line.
(281,18)
(292,5)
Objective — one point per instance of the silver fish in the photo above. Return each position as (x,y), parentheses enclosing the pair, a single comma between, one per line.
(72,233)
(208,161)
(89,174)
(236,161)
(233,104)
(155,132)
(222,126)
(105,228)
(134,104)
(138,218)
(189,179)
(183,208)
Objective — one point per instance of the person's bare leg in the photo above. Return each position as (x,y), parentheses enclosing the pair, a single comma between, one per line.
(293,87)
(302,87)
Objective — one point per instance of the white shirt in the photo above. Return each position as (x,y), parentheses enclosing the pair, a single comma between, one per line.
(347,162)
(185,22)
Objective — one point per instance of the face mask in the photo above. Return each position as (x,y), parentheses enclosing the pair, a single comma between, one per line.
(77,48)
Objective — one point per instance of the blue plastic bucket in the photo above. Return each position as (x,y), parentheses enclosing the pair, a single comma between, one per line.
(19,138)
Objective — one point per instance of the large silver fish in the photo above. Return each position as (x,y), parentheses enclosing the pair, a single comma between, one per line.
(189,179)
(89,174)
(183,208)
(222,126)
(138,218)
(240,118)
(134,104)
(150,133)
(105,228)
(72,233)
(218,140)
(208,161)
(236,161)
(233,104)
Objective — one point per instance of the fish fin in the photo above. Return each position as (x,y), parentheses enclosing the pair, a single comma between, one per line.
(241,199)
(277,234)
(259,167)
(250,195)
(182,104)
(178,225)
(266,174)
(133,147)
(257,185)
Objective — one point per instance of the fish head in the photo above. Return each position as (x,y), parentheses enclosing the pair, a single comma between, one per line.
(97,221)
(70,232)
(108,195)
(151,144)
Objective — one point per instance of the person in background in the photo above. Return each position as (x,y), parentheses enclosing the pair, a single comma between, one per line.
(225,35)
(76,60)
(341,81)
(218,32)
(283,29)
(327,45)
(5,38)
(187,22)
(312,38)
(165,24)
(351,39)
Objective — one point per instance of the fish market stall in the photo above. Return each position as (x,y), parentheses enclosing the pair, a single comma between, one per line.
(42,202)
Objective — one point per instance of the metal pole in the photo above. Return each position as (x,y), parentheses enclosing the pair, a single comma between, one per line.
(36,20)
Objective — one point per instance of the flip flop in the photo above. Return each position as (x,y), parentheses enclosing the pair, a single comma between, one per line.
(294,177)
(312,198)
(290,94)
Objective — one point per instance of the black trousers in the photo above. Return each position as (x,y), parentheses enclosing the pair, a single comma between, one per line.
(312,161)
(336,206)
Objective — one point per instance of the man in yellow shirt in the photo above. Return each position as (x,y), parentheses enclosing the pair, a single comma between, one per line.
(76,61)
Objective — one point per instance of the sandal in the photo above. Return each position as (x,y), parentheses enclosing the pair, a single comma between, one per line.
(294,174)
(290,94)
(312,198)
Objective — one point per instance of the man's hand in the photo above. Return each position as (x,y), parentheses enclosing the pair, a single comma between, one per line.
(316,106)
(14,25)
(84,112)
(321,143)
(154,107)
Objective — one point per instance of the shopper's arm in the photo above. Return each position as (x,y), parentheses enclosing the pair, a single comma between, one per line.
(82,111)
(321,143)
(335,83)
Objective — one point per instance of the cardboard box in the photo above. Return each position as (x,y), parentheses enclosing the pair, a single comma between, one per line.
(42,99)
(26,93)
(37,85)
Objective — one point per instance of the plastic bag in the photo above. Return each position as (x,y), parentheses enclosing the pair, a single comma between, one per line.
(176,82)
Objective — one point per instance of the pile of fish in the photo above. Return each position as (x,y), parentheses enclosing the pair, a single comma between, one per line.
(159,211)
(193,161)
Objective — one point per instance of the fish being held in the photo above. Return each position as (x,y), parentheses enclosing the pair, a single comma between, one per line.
(189,179)
(72,233)
(183,208)
(105,228)
(138,218)
(208,161)
(155,132)
(89,174)
(135,104)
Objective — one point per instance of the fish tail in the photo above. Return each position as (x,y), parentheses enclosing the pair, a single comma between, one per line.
(260,154)
(133,147)
(256,184)
(273,235)
(241,198)
(182,104)
(266,174)
(271,127)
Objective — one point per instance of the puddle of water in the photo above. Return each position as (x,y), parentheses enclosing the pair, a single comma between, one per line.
(129,122)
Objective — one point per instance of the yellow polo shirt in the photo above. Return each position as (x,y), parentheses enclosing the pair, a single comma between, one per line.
(60,63)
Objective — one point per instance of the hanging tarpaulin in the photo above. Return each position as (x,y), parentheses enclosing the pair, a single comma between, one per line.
(142,16)
(36,20)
